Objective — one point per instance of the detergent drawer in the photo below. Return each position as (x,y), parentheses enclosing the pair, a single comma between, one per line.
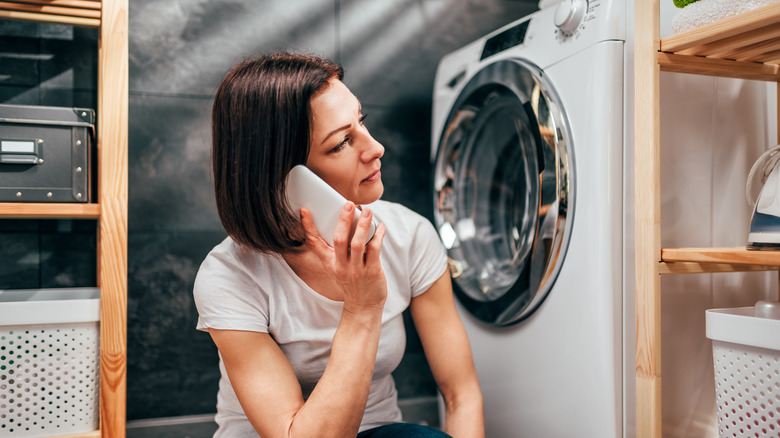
(45,153)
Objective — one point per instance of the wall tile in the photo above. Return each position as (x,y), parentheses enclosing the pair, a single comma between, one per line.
(47,254)
(170,164)
(19,95)
(185,47)
(68,253)
(48,56)
(172,368)
(404,132)
(391,49)
(420,410)
(19,60)
(9,28)
(58,59)
(15,225)
(67,97)
(413,377)
(19,260)
(69,58)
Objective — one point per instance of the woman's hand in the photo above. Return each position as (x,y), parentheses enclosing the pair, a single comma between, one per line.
(353,263)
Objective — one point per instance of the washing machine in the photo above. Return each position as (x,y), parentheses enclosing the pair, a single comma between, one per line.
(528,162)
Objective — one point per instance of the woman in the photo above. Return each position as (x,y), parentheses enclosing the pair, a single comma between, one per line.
(308,334)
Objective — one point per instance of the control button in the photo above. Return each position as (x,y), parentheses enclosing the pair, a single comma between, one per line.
(569,15)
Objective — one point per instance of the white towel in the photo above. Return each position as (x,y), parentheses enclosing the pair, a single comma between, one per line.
(708,11)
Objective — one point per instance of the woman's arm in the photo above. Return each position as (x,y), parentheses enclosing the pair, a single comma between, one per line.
(449,355)
(261,375)
(271,397)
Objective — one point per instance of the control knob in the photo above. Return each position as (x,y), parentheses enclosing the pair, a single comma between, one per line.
(569,15)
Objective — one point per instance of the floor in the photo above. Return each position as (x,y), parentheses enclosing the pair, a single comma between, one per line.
(199,430)
(196,426)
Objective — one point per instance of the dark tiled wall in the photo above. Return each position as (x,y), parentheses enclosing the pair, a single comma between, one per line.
(42,64)
(178,54)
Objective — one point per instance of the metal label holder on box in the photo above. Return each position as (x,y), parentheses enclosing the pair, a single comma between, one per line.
(45,153)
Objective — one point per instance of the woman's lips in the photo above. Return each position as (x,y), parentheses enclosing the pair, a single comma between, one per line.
(373,177)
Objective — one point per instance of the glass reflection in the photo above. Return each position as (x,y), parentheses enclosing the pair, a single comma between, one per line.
(501,192)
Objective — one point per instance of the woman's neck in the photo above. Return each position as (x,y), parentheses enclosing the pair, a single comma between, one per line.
(309,268)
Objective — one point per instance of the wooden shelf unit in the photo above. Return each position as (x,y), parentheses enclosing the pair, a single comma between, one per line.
(12,210)
(111,17)
(73,12)
(745,46)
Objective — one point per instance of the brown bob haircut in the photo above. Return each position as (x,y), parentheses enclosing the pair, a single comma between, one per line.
(260,130)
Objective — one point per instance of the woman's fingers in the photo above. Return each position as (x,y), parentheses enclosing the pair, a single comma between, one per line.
(308,225)
(358,242)
(341,234)
(373,247)
(351,251)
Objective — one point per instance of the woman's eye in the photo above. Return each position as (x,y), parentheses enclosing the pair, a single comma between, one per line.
(346,140)
(341,145)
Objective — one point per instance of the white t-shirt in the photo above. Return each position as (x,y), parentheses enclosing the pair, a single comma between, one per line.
(241,289)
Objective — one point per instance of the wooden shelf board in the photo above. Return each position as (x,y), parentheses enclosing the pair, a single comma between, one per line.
(21,210)
(78,4)
(666,268)
(742,46)
(718,67)
(52,9)
(766,17)
(49,18)
(704,260)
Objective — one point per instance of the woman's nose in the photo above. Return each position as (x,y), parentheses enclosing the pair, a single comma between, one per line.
(373,149)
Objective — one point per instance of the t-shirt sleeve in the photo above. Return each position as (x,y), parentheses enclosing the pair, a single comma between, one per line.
(227,297)
(428,257)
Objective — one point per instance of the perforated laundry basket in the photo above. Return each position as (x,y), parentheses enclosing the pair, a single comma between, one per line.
(49,362)
(746,357)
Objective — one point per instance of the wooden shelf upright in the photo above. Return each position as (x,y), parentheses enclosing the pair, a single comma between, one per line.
(745,46)
(111,18)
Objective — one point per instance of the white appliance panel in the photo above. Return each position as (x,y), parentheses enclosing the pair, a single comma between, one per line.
(558,373)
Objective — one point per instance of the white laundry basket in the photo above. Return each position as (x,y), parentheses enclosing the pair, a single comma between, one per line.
(49,361)
(746,356)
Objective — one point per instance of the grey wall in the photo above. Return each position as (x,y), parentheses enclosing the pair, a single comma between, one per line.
(178,53)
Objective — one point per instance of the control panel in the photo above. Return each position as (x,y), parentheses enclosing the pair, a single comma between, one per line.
(572,18)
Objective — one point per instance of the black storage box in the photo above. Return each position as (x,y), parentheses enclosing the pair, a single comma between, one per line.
(45,153)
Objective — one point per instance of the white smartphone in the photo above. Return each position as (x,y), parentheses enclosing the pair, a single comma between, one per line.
(307,190)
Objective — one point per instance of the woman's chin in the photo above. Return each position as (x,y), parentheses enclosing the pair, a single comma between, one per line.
(374,195)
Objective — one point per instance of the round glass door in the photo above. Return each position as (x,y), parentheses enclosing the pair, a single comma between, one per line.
(503,191)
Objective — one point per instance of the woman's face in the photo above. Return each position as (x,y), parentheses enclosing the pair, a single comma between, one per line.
(342,152)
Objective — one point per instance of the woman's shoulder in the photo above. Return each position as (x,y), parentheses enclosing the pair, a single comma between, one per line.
(230,262)
(230,252)
(230,288)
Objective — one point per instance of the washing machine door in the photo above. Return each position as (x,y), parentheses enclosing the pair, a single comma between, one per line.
(503,191)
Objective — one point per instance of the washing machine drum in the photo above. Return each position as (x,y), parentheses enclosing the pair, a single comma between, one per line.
(503,191)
